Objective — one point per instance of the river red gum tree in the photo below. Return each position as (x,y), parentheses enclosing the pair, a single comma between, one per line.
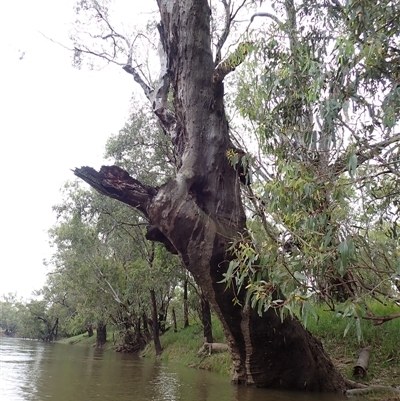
(198,213)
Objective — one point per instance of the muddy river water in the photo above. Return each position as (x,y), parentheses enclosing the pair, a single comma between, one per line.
(34,371)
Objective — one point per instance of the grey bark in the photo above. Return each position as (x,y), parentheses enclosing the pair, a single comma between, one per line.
(361,366)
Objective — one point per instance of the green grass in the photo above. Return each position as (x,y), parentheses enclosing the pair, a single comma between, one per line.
(384,363)
(182,347)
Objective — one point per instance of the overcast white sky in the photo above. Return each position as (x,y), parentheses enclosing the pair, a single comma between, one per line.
(52,118)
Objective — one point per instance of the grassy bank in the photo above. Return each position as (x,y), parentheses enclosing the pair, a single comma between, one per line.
(183,346)
(384,363)
(85,340)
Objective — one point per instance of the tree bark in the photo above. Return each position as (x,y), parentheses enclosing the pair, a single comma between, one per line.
(55,330)
(90,330)
(361,366)
(101,336)
(206,318)
(199,213)
(156,328)
(185,304)
(174,320)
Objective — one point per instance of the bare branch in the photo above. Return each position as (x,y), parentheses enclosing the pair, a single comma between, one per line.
(157,96)
(114,33)
(365,153)
(268,15)
(56,42)
(225,32)
(105,56)
(131,70)
(116,183)
(229,17)
(113,292)
(389,168)
(238,9)
(378,320)
(372,389)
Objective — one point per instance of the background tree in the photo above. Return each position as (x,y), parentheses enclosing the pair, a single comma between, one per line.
(9,316)
(104,264)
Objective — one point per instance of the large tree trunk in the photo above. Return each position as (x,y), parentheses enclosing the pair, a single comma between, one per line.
(198,213)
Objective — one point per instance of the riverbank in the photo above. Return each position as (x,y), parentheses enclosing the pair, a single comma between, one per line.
(384,340)
(384,363)
(85,340)
(383,369)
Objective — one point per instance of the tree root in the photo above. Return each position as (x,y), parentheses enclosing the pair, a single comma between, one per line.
(352,384)
(371,389)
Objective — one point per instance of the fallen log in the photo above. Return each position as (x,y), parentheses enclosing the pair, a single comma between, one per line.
(361,366)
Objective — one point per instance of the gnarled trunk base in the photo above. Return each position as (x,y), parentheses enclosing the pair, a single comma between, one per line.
(285,355)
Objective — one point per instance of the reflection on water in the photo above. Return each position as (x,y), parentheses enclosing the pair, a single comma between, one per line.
(19,369)
(34,371)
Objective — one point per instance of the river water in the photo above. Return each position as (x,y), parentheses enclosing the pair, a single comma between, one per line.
(35,371)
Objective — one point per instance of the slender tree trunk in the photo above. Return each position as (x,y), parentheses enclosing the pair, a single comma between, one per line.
(199,213)
(156,331)
(101,336)
(206,318)
(90,330)
(174,320)
(185,304)
(55,330)
(161,322)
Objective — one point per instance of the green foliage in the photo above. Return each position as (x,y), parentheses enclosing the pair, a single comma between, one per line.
(142,149)
(321,94)
(103,266)
(385,356)
(10,314)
